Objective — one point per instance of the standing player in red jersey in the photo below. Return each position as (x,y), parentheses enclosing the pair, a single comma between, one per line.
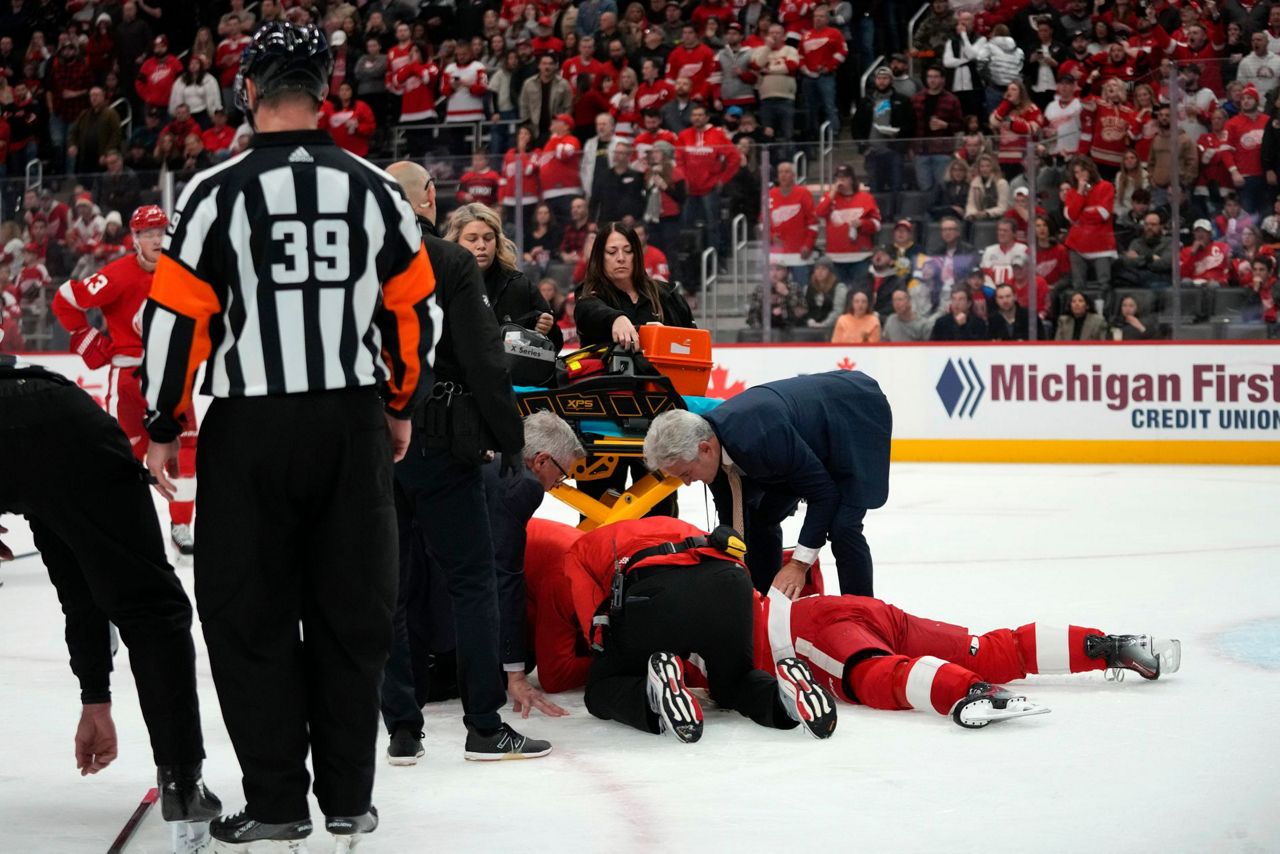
(119,290)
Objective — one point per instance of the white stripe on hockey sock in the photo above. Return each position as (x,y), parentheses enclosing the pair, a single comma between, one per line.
(820,659)
(698,663)
(920,682)
(779,625)
(1053,649)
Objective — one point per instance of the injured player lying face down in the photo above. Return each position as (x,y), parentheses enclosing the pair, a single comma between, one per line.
(859,649)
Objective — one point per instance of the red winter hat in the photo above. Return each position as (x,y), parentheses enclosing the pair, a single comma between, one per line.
(544,21)
(32,248)
(84,199)
(563,117)
(1252,91)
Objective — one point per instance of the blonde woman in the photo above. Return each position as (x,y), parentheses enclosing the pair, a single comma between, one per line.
(514,299)
(988,191)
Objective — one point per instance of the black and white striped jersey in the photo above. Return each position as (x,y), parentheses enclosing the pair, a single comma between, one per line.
(293,267)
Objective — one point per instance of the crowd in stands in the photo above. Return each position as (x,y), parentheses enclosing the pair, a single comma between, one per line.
(1038,144)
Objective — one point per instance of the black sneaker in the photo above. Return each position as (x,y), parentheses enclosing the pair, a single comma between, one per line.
(1142,654)
(805,700)
(239,829)
(183,796)
(505,743)
(347,832)
(405,747)
(678,711)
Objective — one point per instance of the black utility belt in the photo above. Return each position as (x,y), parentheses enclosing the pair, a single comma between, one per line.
(451,421)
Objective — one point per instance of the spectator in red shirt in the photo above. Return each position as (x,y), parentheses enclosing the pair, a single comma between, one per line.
(1244,137)
(349,122)
(822,52)
(709,159)
(158,74)
(574,236)
(218,138)
(693,59)
(70,79)
(480,183)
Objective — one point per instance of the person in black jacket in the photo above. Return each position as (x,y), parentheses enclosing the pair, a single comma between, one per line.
(885,120)
(551,450)
(513,298)
(618,192)
(615,300)
(444,493)
(68,469)
(1010,321)
(960,324)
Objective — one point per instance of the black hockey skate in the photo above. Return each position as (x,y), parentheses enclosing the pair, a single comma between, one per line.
(347,832)
(677,710)
(405,747)
(183,796)
(805,700)
(1142,654)
(986,704)
(506,743)
(239,829)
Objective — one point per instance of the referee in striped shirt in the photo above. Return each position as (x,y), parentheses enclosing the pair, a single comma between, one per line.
(296,274)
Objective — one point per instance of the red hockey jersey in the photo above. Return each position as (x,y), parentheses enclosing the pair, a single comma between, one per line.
(416,80)
(697,64)
(1210,263)
(530,186)
(822,51)
(1106,130)
(559,166)
(336,120)
(793,225)
(655,95)
(479,187)
(853,221)
(1091,233)
(1244,135)
(708,158)
(119,289)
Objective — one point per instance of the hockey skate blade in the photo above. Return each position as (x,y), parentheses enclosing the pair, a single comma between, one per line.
(981,713)
(267,846)
(1169,653)
(191,837)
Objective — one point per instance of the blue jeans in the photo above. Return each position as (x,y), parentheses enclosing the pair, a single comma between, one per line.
(58,127)
(1255,196)
(931,170)
(779,114)
(862,43)
(502,137)
(884,170)
(706,210)
(819,95)
(851,274)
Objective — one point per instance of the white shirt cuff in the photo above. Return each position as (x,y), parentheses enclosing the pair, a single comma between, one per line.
(513,667)
(805,555)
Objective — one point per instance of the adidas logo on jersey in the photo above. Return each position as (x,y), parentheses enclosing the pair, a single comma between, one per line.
(300,155)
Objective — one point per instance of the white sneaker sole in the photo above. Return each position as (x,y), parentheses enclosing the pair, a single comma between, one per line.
(676,707)
(405,761)
(503,757)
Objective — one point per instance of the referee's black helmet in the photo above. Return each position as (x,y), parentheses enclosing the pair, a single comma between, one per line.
(284,57)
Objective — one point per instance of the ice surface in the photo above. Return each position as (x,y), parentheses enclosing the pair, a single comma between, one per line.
(1191,763)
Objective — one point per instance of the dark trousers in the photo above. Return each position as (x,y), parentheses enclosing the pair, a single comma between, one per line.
(618,480)
(705,609)
(302,536)
(448,502)
(69,470)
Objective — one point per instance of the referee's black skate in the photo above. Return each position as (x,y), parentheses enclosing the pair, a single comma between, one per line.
(183,795)
(677,710)
(247,835)
(504,743)
(1142,654)
(347,832)
(805,700)
(985,704)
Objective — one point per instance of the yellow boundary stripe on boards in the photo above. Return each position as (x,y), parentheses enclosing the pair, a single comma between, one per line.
(1173,452)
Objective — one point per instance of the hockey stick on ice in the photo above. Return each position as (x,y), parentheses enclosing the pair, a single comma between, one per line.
(131,826)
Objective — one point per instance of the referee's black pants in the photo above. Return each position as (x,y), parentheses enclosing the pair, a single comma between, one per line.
(68,469)
(296,579)
(707,610)
(448,502)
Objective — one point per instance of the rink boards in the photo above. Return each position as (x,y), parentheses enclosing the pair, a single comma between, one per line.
(1083,402)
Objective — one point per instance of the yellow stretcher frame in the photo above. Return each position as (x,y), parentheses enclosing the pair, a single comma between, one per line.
(603,458)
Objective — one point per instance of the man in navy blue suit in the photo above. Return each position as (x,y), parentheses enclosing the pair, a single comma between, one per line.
(822,438)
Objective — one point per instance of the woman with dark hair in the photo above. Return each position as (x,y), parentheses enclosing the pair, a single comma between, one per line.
(1089,204)
(1128,326)
(615,300)
(617,296)
(199,90)
(1080,322)
(513,298)
(1017,120)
